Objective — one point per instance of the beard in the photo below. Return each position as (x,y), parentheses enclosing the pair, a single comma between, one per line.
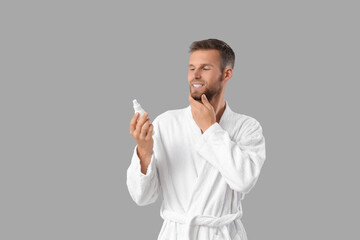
(210,92)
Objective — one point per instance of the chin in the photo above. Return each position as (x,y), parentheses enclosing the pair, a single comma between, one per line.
(196,97)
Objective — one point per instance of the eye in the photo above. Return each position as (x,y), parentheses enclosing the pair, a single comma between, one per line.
(206,68)
(191,69)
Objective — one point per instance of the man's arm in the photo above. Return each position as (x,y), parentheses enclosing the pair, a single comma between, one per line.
(238,162)
(141,130)
(142,179)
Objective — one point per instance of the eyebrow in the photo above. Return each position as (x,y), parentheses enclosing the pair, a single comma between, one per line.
(201,65)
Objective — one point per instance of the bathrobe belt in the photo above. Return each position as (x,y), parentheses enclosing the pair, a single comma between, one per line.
(199,220)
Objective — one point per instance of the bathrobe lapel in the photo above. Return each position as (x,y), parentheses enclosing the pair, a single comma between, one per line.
(207,174)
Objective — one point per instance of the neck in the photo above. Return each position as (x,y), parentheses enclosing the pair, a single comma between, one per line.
(219,105)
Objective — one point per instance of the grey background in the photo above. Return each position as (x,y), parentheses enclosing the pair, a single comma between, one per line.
(70,70)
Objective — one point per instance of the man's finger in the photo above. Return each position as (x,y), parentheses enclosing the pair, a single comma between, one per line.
(191,98)
(144,129)
(193,102)
(206,102)
(141,122)
(150,131)
(133,122)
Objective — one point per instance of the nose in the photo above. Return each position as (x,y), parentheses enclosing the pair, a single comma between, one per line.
(197,74)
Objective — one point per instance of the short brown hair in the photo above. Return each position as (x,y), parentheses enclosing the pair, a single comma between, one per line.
(226,53)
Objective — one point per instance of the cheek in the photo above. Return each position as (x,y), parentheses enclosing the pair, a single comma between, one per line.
(211,77)
(211,74)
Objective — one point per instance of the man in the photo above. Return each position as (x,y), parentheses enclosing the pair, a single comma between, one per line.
(203,158)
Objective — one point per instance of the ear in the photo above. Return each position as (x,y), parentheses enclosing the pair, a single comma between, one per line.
(227,74)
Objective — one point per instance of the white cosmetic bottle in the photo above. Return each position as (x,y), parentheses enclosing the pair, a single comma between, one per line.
(138,108)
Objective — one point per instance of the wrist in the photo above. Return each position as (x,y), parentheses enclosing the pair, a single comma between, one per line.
(207,127)
(144,154)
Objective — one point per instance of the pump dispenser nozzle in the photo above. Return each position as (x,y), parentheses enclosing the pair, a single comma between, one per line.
(138,108)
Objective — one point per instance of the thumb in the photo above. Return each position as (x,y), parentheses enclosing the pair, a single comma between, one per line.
(205,101)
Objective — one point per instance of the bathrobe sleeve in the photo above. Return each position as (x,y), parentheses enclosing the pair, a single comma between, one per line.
(239,161)
(144,189)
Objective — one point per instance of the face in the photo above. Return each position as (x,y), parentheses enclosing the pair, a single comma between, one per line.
(205,76)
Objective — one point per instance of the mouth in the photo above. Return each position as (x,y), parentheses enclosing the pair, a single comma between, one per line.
(197,86)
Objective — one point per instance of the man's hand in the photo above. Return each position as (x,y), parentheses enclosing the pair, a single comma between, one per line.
(203,113)
(142,132)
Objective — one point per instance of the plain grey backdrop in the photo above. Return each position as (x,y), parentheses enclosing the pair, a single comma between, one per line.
(69,71)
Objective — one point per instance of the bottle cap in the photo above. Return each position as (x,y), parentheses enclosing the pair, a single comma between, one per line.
(135,103)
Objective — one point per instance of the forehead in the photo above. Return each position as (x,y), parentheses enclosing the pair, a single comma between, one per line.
(211,56)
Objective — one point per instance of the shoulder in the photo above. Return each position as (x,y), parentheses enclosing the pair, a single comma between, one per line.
(242,120)
(245,125)
(251,131)
(249,121)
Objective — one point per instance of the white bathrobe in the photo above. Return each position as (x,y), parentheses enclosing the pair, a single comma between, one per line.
(202,177)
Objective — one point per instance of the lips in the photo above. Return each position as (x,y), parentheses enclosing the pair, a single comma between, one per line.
(197,85)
